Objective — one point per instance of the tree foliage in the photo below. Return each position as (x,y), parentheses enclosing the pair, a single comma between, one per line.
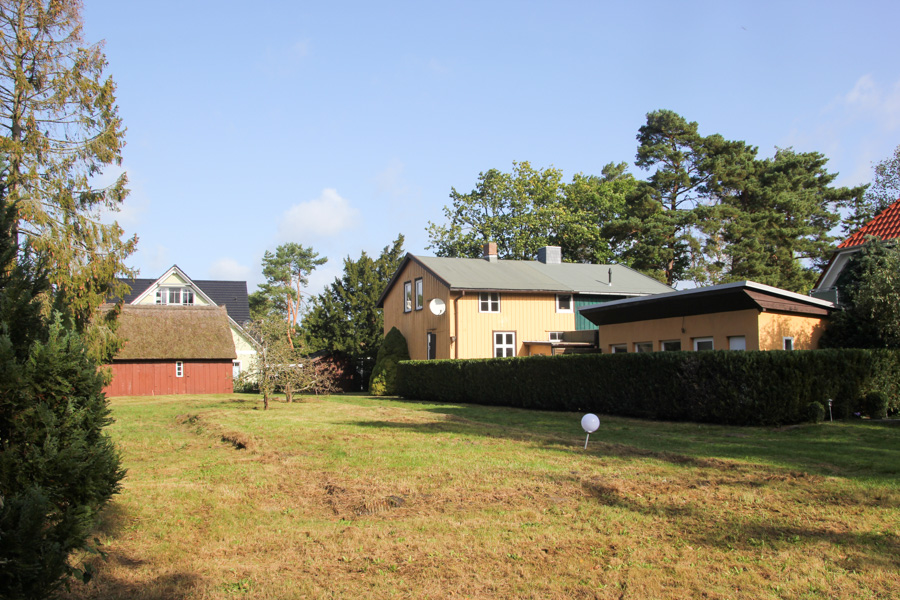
(529,208)
(60,129)
(884,191)
(287,273)
(344,318)
(869,293)
(57,466)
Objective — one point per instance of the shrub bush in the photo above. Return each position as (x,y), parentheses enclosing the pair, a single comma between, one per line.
(876,405)
(750,388)
(815,412)
(384,376)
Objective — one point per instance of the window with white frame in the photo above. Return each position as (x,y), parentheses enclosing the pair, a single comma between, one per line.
(504,343)
(420,294)
(737,342)
(556,336)
(670,345)
(564,303)
(174,295)
(235,369)
(643,346)
(407,296)
(179,369)
(489,302)
(787,343)
(703,343)
(618,348)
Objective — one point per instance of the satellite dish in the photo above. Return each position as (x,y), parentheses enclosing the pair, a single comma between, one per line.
(437,306)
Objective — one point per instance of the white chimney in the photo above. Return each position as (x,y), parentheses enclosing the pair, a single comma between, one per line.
(550,255)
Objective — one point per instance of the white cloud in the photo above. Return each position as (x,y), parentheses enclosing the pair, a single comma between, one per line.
(871,100)
(325,216)
(229,269)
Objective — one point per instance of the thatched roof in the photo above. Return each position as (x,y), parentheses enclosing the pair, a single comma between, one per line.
(175,333)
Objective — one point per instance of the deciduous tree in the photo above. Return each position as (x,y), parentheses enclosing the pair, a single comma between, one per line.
(884,191)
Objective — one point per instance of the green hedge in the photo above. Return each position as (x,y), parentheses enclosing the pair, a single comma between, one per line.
(738,388)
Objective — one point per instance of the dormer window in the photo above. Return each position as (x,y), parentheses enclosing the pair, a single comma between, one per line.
(174,295)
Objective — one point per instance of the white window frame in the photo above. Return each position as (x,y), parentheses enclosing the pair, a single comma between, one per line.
(174,296)
(503,345)
(787,341)
(420,294)
(735,338)
(489,302)
(703,340)
(637,346)
(179,369)
(235,364)
(561,309)
(618,348)
(556,336)
(407,296)
(664,343)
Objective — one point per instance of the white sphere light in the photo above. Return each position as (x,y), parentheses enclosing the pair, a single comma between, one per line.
(590,423)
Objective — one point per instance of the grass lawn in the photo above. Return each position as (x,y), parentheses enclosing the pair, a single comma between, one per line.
(352,497)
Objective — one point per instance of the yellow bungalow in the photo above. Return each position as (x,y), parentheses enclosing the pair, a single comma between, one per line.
(487,307)
(734,316)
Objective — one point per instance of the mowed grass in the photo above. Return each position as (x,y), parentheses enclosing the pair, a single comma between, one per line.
(354,497)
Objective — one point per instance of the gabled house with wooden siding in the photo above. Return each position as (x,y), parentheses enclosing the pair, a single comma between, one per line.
(732,316)
(487,307)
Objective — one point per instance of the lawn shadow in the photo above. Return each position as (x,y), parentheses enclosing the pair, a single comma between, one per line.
(855,449)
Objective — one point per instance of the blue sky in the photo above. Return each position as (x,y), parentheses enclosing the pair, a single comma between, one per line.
(339,125)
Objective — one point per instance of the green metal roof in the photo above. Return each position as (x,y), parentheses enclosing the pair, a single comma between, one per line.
(535,276)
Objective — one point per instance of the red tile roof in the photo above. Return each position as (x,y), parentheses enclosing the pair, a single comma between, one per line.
(886,226)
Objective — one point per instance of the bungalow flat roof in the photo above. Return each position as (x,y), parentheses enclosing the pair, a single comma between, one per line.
(725,297)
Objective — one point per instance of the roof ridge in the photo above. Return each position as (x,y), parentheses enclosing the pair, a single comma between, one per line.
(884,225)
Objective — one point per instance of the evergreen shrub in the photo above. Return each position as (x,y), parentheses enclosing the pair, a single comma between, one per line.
(815,412)
(384,376)
(737,388)
(876,404)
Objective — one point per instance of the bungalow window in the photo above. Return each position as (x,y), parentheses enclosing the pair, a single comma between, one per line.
(643,346)
(671,345)
(504,343)
(235,369)
(564,303)
(489,302)
(787,343)
(618,348)
(556,336)
(737,342)
(704,343)
(179,369)
(174,295)
(420,295)
(407,296)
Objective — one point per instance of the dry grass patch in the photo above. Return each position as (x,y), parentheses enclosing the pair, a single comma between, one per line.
(351,497)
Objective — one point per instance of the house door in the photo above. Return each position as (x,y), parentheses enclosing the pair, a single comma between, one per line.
(431,343)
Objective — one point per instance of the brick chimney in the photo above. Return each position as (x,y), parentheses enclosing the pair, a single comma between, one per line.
(489,252)
(550,255)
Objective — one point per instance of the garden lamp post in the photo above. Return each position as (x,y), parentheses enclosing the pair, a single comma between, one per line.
(830,416)
(590,423)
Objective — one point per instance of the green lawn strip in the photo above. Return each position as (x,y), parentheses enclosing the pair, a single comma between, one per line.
(354,497)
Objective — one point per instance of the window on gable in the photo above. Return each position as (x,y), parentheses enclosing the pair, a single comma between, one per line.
(489,302)
(420,294)
(504,343)
(407,296)
(174,295)
(564,303)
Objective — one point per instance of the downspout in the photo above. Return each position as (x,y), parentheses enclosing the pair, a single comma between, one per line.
(456,324)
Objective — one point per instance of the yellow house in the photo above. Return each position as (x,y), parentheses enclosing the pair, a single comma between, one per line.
(734,316)
(487,307)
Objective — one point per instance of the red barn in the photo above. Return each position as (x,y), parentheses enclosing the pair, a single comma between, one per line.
(173,350)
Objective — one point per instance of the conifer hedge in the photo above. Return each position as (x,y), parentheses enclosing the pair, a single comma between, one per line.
(734,388)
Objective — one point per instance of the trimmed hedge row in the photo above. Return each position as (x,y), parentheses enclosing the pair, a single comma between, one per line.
(735,388)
